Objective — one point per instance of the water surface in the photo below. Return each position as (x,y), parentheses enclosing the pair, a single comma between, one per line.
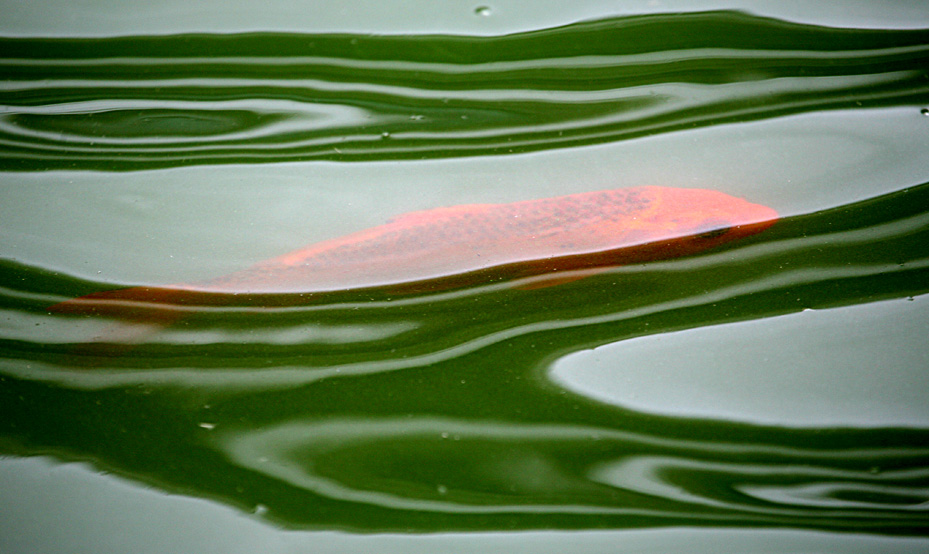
(765,390)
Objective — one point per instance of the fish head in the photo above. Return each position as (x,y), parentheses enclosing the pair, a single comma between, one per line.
(692,220)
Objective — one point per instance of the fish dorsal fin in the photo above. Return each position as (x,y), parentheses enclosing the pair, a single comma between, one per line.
(431,215)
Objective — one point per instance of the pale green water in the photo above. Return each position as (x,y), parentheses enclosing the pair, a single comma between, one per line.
(764,397)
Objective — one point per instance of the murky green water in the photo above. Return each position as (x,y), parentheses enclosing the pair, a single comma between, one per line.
(768,394)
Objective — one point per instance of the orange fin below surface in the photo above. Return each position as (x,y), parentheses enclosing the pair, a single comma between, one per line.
(141,303)
(549,280)
(114,341)
(143,311)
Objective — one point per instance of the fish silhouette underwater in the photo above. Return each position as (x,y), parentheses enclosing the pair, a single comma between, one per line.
(534,242)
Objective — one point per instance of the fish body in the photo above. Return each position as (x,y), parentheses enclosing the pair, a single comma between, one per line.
(462,245)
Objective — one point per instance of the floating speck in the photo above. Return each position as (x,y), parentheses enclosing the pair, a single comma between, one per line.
(483,11)
(385,135)
(442,489)
(924,111)
(207,426)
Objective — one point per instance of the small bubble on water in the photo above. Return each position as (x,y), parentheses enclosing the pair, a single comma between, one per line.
(442,489)
(924,111)
(483,11)
(208,426)
(385,135)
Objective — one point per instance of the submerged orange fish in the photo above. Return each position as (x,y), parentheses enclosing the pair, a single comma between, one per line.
(457,246)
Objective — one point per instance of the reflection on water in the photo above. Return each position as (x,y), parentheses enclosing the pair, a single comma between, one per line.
(854,366)
(436,412)
(137,102)
(519,469)
(121,509)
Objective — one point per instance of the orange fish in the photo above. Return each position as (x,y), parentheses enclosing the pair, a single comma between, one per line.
(457,246)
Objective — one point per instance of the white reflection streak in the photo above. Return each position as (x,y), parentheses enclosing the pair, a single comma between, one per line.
(773,86)
(348,125)
(265,450)
(294,334)
(294,117)
(823,495)
(595,61)
(642,474)
(285,377)
(272,451)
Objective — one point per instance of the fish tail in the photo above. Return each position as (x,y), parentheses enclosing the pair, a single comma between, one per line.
(143,311)
(138,303)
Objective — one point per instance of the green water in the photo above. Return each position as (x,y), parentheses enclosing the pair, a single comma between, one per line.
(768,395)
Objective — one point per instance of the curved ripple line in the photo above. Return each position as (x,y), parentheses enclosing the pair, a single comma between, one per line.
(286,376)
(883,258)
(870,496)
(273,98)
(762,488)
(269,119)
(499,467)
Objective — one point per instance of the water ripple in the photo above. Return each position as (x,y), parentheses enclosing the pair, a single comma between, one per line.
(214,99)
(278,341)
(432,412)
(777,487)
(510,468)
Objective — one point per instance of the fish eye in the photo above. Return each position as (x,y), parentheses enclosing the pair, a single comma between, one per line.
(715,233)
